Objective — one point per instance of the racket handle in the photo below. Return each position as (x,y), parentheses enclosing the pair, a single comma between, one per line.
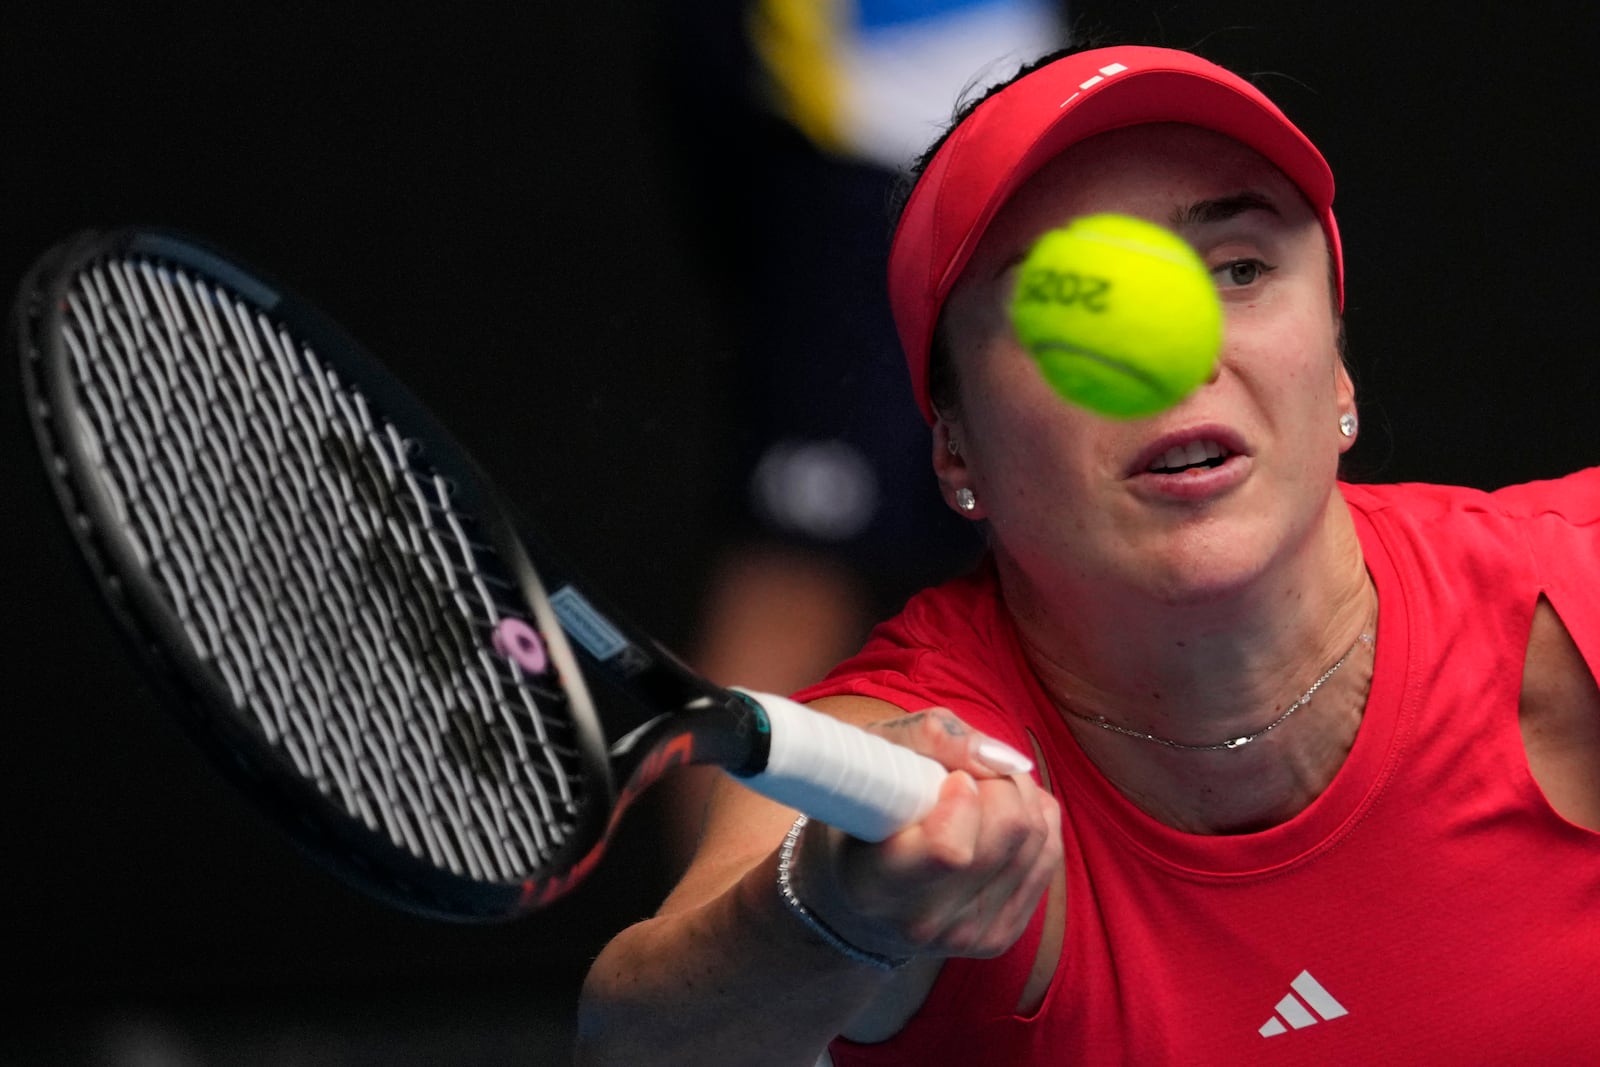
(840,775)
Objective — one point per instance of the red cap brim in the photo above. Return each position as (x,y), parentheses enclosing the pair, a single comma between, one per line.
(1013,133)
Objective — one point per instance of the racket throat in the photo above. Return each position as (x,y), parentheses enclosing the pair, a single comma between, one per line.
(732,732)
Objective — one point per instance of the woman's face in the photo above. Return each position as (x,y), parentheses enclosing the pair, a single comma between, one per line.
(1080,501)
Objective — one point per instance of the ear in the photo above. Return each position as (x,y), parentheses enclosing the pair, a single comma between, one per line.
(1344,387)
(1344,391)
(950,465)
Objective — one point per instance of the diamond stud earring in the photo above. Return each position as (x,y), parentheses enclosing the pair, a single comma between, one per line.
(1347,424)
(966,500)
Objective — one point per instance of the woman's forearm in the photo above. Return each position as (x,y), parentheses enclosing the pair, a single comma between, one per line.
(736,980)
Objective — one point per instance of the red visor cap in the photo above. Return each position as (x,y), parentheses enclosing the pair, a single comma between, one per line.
(1011,135)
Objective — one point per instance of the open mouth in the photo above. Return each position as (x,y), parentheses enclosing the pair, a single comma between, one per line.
(1195,456)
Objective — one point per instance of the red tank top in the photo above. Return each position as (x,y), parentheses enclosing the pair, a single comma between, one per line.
(1429,908)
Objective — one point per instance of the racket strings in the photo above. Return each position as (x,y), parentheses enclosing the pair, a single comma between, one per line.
(317,562)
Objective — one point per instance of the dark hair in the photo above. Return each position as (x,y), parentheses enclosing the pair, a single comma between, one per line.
(966,104)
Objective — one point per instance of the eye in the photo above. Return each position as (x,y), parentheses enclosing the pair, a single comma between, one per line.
(1240,272)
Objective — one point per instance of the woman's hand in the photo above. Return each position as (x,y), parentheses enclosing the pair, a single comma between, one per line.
(965,880)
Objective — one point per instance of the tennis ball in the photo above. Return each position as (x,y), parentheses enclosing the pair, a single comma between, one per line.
(1120,314)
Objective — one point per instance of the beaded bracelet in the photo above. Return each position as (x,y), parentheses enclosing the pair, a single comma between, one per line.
(807,916)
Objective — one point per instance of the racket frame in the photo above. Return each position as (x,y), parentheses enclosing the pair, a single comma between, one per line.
(660,714)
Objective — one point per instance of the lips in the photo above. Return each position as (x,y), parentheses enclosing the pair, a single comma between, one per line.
(1190,451)
(1204,453)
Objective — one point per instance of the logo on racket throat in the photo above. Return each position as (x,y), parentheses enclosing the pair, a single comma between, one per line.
(585,625)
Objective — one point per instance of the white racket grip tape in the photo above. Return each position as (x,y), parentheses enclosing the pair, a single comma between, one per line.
(843,776)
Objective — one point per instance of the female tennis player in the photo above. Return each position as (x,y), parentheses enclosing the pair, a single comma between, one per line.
(1315,766)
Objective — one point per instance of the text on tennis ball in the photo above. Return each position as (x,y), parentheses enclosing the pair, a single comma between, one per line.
(1047,286)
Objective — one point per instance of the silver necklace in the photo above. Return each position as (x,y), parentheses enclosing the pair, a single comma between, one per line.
(1237,742)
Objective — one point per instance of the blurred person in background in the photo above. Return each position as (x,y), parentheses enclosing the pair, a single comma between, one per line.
(798,119)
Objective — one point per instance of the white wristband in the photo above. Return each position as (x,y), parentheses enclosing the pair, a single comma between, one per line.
(807,916)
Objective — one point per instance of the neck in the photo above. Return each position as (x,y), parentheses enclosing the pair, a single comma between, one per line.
(1221,667)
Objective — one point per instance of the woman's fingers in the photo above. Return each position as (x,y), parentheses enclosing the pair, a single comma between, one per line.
(939,734)
(996,915)
(963,881)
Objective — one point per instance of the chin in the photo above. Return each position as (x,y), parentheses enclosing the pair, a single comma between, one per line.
(1192,591)
(1194,575)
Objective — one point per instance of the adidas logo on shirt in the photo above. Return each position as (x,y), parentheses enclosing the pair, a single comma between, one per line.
(1314,1004)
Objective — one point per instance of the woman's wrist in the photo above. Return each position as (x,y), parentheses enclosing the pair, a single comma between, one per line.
(790,894)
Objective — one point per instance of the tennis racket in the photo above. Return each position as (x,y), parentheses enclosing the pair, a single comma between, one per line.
(345,615)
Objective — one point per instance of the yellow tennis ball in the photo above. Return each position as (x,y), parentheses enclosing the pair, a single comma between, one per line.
(1120,314)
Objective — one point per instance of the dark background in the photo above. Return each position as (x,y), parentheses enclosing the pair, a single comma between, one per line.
(487,197)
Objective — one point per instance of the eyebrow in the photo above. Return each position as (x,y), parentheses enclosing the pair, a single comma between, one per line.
(1199,213)
(1222,209)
